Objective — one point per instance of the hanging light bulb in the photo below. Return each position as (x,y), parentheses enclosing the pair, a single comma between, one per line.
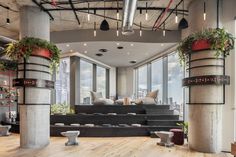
(140,31)
(8,19)
(117,29)
(88,13)
(164,30)
(146,14)
(204,13)
(94,31)
(117,11)
(176,14)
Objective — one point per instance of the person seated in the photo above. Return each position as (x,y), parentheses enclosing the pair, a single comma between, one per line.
(98,99)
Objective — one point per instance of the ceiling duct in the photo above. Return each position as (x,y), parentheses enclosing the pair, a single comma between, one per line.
(129,8)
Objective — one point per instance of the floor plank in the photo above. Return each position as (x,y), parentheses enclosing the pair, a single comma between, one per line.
(99,147)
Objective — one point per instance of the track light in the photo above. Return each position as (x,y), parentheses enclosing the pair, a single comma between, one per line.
(176,14)
(146,14)
(94,31)
(140,31)
(204,13)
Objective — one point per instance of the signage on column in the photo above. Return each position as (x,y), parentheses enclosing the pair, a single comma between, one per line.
(21,82)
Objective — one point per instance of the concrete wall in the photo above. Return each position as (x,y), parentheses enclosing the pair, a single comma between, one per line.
(125,81)
(197,23)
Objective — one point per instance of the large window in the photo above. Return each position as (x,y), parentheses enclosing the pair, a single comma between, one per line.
(164,74)
(142,81)
(175,76)
(86,81)
(101,80)
(157,78)
(62,84)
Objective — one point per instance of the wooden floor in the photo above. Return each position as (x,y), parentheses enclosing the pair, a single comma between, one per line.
(99,147)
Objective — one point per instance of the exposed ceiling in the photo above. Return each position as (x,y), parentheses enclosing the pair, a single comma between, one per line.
(65,20)
(117,57)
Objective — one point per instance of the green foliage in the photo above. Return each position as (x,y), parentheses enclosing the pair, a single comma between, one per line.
(220,40)
(8,66)
(184,126)
(25,47)
(60,108)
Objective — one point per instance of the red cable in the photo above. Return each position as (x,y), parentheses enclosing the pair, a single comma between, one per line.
(167,8)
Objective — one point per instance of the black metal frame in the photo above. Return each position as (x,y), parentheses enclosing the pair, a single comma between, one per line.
(189,87)
(85,10)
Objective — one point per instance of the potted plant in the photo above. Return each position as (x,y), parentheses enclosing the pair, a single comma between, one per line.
(209,39)
(184,126)
(8,66)
(30,46)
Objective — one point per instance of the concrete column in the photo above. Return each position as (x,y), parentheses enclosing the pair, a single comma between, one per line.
(205,120)
(35,111)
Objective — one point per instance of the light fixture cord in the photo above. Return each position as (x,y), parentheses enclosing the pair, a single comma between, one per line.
(183,8)
(104,10)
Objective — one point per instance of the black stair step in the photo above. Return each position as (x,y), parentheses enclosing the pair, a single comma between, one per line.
(163,122)
(159,111)
(162,117)
(109,119)
(119,109)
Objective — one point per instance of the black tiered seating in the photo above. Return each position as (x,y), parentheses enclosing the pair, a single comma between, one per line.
(151,117)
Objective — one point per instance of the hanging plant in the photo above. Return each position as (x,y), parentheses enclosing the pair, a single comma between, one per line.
(29,46)
(214,39)
(8,66)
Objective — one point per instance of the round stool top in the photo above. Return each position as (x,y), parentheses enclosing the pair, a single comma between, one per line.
(176,130)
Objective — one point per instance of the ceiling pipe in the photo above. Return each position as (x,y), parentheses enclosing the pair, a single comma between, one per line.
(129,8)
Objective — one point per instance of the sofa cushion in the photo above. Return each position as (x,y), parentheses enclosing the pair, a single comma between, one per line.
(103,101)
(152,94)
(95,95)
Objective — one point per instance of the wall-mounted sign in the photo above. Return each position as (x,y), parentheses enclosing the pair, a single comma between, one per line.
(21,82)
(206,80)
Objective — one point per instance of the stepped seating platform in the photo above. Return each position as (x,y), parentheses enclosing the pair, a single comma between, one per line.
(114,120)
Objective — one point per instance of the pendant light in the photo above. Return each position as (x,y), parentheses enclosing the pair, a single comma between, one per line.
(164,29)
(8,19)
(94,31)
(146,14)
(104,25)
(183,22)
(88,13)
(117,11)
(176,14)
(117,29)
(140,30)
(204,11)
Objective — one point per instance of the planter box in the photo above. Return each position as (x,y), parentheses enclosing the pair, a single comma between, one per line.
(233,148)
(201,45)
(42,53)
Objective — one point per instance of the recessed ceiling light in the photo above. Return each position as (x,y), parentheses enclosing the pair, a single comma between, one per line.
(131,44)
(133,62)
(71,50)
(85,52)
(128,53)
(117,44)
(67,45)
(103,50)
(99,54)
(85,44)
(120,47)
(162,44)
